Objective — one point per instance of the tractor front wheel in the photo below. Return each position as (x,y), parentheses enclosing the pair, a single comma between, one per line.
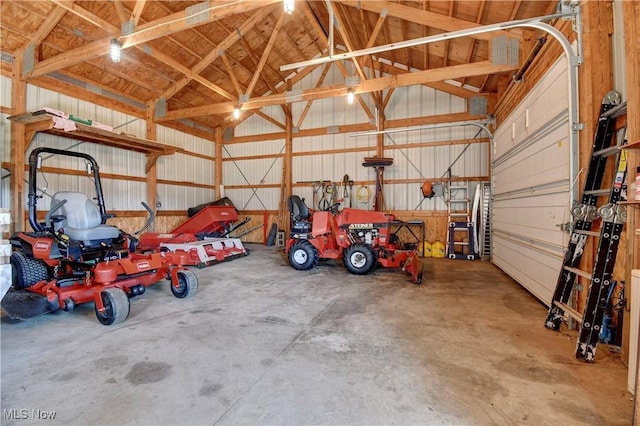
(303,255)
(359,259)
(116,306)
(187,284)
(26,271)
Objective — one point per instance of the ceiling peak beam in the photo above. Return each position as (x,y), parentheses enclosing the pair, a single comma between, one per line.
(367,86)
(423,17)
(147,32)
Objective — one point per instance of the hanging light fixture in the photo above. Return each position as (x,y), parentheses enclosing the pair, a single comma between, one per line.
(236,112)
(289,6)
(114,50)
(350,97)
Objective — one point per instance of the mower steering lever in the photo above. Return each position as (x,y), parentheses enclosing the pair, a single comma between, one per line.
(48,218)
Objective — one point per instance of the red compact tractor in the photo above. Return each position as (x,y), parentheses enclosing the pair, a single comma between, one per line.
(74,257)
(360,238)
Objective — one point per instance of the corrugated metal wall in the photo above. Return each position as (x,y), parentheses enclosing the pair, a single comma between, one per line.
(187,168)
(531,186)
(334,155)
(120,194)
(254,183)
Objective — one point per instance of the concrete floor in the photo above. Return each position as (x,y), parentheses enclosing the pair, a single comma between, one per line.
(261,343)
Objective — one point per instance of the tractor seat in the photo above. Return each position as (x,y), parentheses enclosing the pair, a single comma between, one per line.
(83,221)
(297,208)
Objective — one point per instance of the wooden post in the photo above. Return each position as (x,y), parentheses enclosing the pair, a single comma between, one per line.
(152,172)
(632,50)
(19,145)
(595,81)
(218,171)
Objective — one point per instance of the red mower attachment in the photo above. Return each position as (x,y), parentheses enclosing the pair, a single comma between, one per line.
(202,238)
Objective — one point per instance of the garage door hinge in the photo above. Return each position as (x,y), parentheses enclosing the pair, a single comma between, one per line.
(576,127)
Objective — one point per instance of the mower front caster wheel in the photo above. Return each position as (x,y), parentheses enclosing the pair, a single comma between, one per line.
(116,306)
(187,284)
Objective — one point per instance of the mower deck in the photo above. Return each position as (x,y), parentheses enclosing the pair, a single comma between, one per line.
(208,251)
(23,305)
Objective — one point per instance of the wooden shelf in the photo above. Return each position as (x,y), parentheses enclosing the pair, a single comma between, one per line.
(632,203)
(39,122)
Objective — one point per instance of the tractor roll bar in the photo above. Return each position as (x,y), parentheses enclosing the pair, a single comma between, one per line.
(33,169)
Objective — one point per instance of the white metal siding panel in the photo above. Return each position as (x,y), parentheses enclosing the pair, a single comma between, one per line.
(531,186)
(124,194)
(5,91)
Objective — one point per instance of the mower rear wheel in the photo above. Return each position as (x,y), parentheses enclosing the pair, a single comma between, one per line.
(359,259)
(303,255)
(187,284)
(116,306)
(26,271)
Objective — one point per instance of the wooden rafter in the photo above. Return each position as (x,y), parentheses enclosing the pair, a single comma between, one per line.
(86,15)
(447,43)
(366,86)
(168,60)
(225,44)
(345,27)
(231,73)
(321,34)
(156,54)
(149,31)
(421,17)
(474,42)
(514,13)
(265,54)
(137,11)
(49,24)
(121,12)
(310,102)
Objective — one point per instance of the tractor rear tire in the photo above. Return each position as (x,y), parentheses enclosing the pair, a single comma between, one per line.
(187,284)
(303,256)
(26,271)
(359,259)
(116,306)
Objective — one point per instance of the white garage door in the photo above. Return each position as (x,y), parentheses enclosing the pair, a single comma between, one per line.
(531,186)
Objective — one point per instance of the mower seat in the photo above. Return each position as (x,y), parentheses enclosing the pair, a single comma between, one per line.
(82,220)
(297,208)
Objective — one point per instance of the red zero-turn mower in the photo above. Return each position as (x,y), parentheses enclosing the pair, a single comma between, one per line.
(361,238)
(75,257)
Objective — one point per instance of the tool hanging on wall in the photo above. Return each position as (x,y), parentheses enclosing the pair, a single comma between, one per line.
(345,192)
(350,193)
(363,195)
